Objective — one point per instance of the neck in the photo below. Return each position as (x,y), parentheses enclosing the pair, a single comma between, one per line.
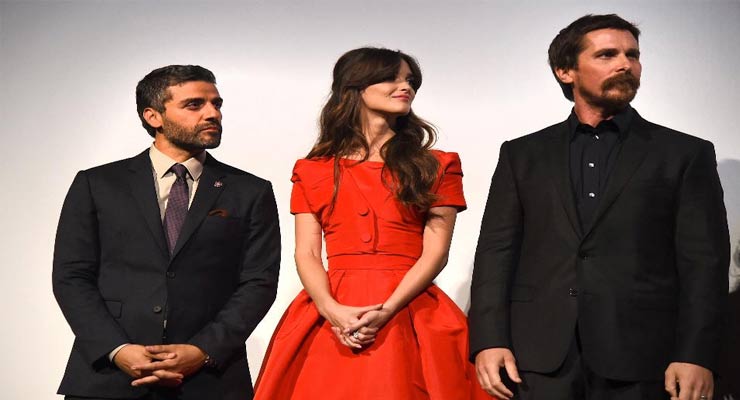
(170,150)
(377,130)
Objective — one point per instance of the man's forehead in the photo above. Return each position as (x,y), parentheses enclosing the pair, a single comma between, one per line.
(609,37)
(193,89)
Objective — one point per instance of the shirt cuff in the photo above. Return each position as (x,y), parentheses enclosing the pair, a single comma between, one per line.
(115,351)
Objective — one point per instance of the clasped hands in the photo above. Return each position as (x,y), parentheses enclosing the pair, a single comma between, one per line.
(165,365)
(356,327)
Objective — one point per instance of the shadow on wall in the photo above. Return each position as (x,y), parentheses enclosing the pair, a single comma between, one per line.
(728,385)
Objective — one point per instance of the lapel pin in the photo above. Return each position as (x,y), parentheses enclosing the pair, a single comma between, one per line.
(218,184)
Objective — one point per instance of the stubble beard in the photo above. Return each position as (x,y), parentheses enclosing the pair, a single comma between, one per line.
(191,139)
(616,92)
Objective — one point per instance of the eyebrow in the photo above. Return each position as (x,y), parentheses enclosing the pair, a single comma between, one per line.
(200,100)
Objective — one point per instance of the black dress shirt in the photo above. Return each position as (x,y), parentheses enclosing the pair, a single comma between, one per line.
(593,151)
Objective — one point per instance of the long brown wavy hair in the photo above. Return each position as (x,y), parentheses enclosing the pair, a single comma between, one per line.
(410,170)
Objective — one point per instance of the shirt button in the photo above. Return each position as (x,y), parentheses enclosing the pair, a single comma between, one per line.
(596,137)
(583,256)
(171,274)
(573,292)
(366,237)
(362,210)
(592,194)
(591,165)
(157,309)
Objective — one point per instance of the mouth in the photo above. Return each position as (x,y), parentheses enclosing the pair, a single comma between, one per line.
(402,98)
(211,129)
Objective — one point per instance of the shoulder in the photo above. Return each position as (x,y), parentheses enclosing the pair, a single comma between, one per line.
(235,175)
(312,168)
(448,161)
(115,169)
(667,136)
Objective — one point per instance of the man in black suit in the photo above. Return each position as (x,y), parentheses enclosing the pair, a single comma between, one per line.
(164,263)
(603,254)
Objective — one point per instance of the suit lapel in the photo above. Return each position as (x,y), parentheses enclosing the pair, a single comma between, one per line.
(141,182)
(632,153)
(207,193)
(559,152)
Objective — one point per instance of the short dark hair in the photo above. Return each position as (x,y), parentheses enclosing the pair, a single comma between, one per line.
(568,44)
(152,90)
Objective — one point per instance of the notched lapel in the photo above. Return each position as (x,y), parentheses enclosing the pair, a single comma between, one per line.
(630,157)
(559,156)
(142,189)
(210,187)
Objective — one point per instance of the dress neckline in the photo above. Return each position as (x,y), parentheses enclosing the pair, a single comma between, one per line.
(368,163)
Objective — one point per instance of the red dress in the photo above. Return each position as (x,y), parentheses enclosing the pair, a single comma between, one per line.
(371,241)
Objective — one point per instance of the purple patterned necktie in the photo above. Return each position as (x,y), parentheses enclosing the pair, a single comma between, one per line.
(177,206)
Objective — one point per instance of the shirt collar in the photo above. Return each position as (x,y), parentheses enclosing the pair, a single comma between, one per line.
(622,120)
(162,163)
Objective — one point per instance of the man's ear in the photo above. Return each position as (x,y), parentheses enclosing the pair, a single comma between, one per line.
(564,75)
(152,117)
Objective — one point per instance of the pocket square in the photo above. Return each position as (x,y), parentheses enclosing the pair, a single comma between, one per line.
(218,212)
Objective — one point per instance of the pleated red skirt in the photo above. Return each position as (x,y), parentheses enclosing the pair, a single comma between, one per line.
(421,353)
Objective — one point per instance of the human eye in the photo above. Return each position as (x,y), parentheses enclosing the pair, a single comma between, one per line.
(634,54)
(193,104)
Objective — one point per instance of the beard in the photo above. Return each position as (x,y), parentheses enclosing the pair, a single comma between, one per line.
(192,139)
(616,92)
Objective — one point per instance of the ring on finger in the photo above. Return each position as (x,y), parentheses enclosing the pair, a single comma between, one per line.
(356,334)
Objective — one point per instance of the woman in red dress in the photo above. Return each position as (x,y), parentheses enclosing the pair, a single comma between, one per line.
(373,326)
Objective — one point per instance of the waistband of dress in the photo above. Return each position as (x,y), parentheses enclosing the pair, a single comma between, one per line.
(371,261)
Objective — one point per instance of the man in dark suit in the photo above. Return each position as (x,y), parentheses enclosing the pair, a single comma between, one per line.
(603,254)
(164,263)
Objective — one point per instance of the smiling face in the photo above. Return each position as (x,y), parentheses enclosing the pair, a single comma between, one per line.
(607,73)
(393,97)
(191,119)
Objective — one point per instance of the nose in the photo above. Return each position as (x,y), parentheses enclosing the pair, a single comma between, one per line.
(212,112)
(625,64)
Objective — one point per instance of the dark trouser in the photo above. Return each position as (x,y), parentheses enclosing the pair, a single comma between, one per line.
(574,380)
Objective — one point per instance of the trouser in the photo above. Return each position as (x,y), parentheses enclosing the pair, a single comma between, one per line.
(574,380)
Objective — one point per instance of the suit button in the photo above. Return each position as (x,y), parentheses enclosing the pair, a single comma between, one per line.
(366,237)
(573,292)
(157,309)
(171,274)
(583,256)
(362,210)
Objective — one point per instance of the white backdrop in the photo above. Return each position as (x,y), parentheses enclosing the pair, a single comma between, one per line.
(68,71)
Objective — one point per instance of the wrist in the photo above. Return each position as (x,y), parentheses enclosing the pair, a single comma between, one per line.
(325,306)
(389,308)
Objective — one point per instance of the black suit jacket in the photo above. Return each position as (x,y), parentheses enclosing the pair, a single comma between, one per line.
(116,282)
(646,283)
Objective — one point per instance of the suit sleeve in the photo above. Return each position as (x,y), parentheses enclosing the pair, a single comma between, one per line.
(75,273)
(496,258)
(257,286)
(702,261)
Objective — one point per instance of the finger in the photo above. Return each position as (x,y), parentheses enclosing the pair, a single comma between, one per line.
(368,330)
(490,379)
(161,356)
(512,371)
(147,380)
(354,343)
(154,365)
(160,348)
(686,393)
(167,375)
(373,307)
(670,383)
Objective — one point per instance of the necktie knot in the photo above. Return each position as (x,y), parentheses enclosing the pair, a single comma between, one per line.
(180,171)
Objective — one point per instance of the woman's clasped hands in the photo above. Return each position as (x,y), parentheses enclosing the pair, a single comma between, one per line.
(356,327)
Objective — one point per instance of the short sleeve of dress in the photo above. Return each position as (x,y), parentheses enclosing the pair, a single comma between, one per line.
(450,187)
(298,200)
